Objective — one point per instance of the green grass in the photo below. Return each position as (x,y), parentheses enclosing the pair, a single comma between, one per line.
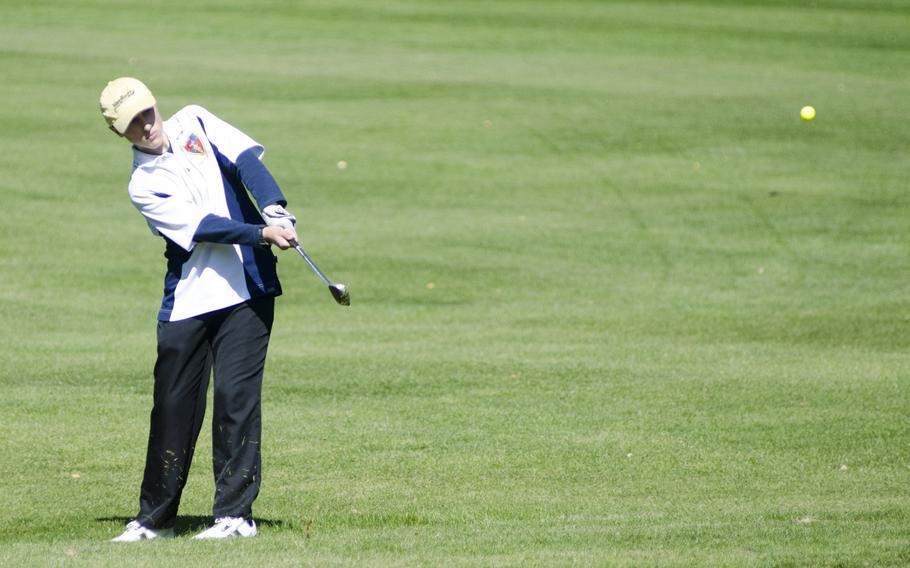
(614,303)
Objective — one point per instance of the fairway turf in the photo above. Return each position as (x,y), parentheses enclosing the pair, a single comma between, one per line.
(613,302)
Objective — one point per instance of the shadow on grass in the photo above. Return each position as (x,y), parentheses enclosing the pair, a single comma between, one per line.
(191,524)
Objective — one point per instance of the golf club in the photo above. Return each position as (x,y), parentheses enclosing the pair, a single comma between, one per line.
(339,291)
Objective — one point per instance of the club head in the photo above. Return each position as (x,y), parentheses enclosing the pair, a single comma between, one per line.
(340,293)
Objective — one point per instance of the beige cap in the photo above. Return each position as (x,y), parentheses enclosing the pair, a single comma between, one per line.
(122,99)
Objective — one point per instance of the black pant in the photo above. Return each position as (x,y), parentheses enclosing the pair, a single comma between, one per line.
(231,342)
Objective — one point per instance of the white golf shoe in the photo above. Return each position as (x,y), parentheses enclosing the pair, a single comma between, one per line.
(135,532)
(226,527)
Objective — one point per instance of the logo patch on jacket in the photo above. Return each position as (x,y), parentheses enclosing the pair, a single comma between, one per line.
(194,145)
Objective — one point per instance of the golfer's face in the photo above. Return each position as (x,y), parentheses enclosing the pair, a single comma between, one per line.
(145,130)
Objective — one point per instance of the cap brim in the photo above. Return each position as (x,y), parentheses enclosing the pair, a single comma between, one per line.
(128,111)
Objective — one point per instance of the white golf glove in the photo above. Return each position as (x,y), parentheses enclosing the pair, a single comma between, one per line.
(275,214)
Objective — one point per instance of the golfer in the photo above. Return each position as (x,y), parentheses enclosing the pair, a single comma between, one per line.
(192,179)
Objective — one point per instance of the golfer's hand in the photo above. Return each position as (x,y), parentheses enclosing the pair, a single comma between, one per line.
(275,214)
(279,236)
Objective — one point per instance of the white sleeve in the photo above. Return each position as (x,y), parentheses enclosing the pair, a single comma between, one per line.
(230,141)
(166,209)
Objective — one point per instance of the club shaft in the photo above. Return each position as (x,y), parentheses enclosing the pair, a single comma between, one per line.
(312,264)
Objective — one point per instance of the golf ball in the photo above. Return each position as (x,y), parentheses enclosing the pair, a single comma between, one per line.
(342,165)
(808,113)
